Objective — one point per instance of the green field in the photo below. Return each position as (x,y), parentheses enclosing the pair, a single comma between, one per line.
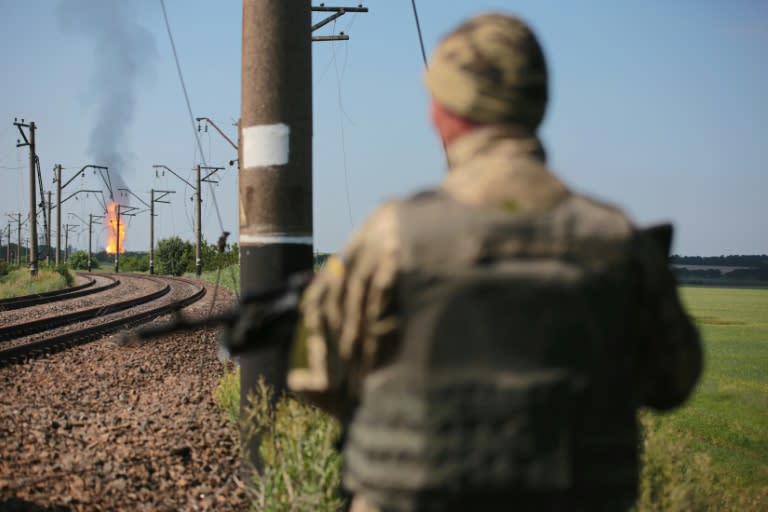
(728,414)
(720,437)
(711,454)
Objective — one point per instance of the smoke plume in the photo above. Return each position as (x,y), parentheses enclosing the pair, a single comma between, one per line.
(123,56)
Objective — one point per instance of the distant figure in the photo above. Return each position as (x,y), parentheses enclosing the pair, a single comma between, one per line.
(487,344)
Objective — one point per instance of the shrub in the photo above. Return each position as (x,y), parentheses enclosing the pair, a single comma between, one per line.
(174,256)
(227,395)
(78,260)
(64,272)
(4,268)
(135,262)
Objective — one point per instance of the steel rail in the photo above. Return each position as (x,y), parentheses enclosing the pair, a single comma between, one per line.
(57,342)
(27,328)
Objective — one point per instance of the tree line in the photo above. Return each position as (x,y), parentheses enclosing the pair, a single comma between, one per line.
(755,267)
(734,260)
(173,256)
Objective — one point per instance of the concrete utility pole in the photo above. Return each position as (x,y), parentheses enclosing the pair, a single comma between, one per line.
(48,232)
(57,179)
(117,240)
(67,227)
(151,206)
(275,156)
(198,224)
(275,160)
(59,187)
(90,223)
(32,189)
(152,201)
(90,236)
(8,249)
(18,239)
(198,198)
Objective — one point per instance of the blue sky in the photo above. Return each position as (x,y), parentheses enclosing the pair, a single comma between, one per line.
(659,107)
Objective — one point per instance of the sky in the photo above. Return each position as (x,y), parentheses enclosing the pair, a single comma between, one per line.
(658,107)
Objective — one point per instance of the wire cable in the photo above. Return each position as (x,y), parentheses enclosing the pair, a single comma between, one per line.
(189,106)
(418,29)
(343,141)
(197,138)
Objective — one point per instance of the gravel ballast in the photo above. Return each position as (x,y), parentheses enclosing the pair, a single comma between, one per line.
(113,426)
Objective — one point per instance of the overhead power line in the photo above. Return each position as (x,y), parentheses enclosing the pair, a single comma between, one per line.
(418,29)
(189,109)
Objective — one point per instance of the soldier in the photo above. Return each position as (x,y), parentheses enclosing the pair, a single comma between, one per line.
(487,344)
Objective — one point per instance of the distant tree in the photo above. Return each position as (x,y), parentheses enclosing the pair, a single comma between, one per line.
(78,260)
(175,256)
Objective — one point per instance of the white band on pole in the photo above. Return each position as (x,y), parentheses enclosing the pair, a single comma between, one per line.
(276,238)
(265,145)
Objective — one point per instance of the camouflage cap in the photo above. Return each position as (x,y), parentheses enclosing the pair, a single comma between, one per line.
(490,69)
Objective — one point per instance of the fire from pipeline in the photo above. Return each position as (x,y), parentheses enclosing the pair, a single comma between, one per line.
(116,229)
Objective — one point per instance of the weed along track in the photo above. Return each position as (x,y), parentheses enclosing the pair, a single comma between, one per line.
(94,283)
(122,424)
(137,299)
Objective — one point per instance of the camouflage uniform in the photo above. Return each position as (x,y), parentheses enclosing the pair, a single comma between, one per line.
(358,311)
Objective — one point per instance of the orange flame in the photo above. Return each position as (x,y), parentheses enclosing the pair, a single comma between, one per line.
(114,229)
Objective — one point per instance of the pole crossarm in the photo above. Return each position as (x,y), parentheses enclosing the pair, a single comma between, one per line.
(171,171)
(213,170)
(340,37)
(16,217)
(209,121)
(33,252)
(81,173)
(129,211)
(338,12)
(134,195)
(21,124)
(326,8)
(163,193)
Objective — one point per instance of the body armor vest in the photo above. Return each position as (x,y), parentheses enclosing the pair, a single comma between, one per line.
(514,377)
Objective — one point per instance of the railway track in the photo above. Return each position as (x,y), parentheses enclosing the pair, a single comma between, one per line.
(21,341)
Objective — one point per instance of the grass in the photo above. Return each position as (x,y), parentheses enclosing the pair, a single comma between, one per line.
(301,464)
(711,454)
(229,277)
(18,282)
(728,415)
